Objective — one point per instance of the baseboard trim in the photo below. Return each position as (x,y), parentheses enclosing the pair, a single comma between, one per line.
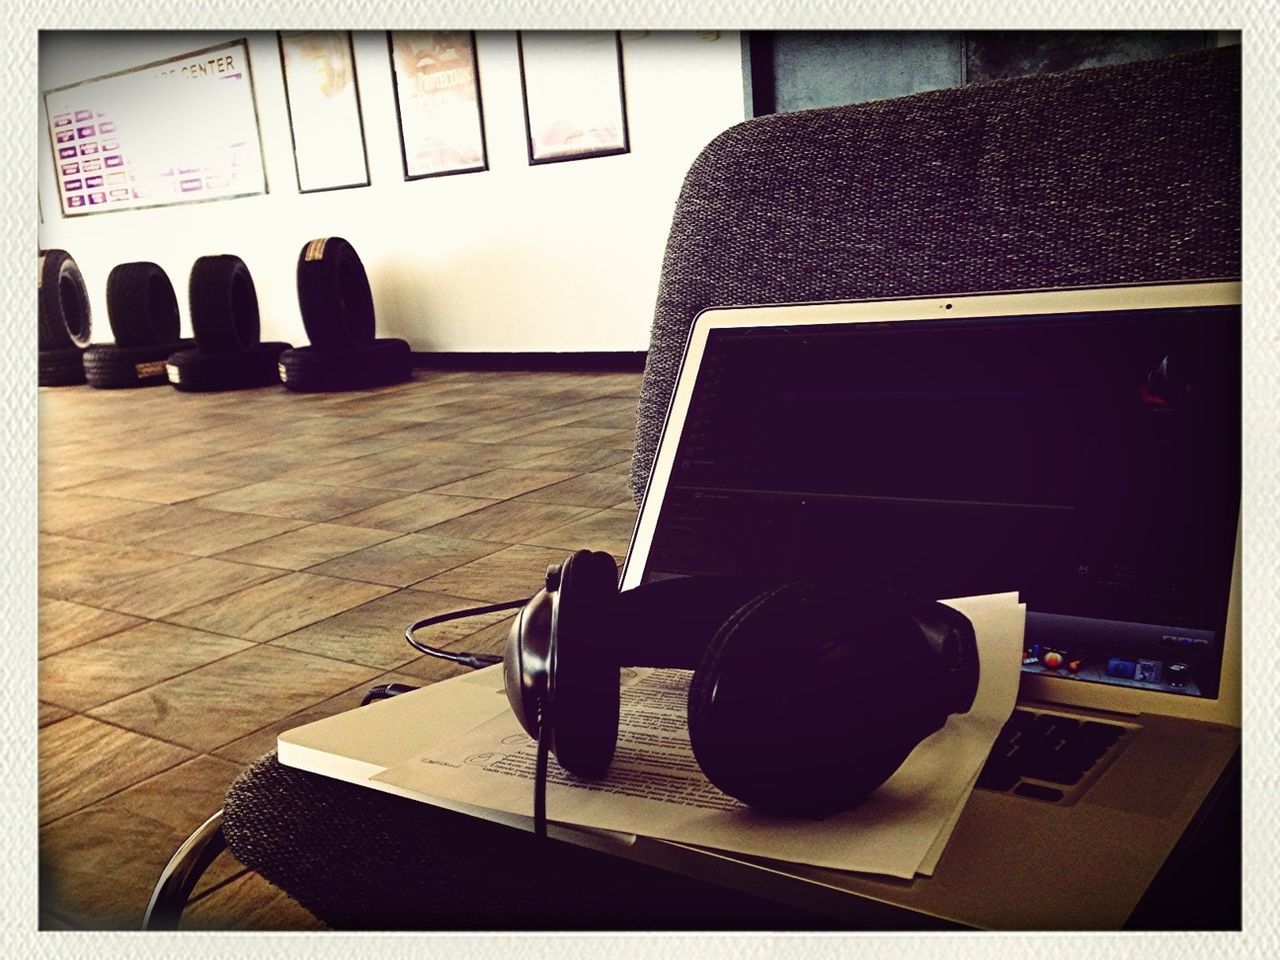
(621,361)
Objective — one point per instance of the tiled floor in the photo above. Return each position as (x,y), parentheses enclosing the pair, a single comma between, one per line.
(217,568)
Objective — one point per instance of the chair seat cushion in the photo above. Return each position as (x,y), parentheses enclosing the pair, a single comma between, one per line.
(359,859)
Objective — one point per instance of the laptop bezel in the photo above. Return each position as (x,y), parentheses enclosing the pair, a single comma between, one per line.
(1225,709)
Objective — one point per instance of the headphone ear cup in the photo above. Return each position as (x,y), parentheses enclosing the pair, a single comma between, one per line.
(583,685)
(704,731)
(811,696)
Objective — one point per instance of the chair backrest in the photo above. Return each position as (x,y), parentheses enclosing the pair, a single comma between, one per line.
(1105,176)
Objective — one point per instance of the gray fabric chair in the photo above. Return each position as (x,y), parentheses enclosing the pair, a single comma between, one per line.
(1114,175)
(1126,174)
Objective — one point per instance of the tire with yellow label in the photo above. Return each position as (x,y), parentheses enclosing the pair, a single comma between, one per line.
(308,370)
(224,305)
(62,302)
(334,295)
(198,372)
(61,368)
(109,367)
(141,306)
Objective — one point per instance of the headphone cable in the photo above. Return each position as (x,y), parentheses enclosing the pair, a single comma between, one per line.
(540,776)
(473,660)
(478,660)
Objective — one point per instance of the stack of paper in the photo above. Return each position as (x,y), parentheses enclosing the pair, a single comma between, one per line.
(654,787)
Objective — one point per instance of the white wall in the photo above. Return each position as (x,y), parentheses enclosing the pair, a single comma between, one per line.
(555,257)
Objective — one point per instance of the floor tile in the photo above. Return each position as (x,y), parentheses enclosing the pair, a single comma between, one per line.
(135,528)
(502,483)
(101,567)
(98,866)
(49,713)
(607,530)
(280,606)
(160,486)
(373,634)
(351,470)
(479,456)
(598,489)
(569,433)
(186,528)
(620,469)
(158,593)
(66,475)
(406,560)
(336,428)
(417,474)
(94,673)
(52,548)
(223,701)
(511,521)
(65,512)
(415,511)
(425,669)
(516,430)
(299,501)
(510,573)
(579,459)
(64,624)
(388,440)
(264,462)
(82,760)
(228,531)
(248,903)
(624,418)
(309,545)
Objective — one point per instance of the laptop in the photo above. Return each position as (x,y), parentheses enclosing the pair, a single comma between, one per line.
(1081,447)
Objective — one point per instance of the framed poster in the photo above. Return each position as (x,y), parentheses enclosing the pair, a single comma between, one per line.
(182,130)
(323,99)
(574,103)
(437,88)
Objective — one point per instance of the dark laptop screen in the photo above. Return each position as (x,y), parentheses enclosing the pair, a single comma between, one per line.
(1089,461)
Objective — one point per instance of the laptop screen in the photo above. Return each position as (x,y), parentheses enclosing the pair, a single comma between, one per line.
(1089,461)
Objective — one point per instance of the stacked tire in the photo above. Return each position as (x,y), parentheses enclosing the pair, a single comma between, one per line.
(143,313)
(64,318)
(337,311)
(225,324)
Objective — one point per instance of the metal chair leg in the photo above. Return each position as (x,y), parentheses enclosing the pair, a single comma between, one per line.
(180,875)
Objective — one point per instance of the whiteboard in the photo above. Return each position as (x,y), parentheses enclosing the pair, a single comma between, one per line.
(182,130)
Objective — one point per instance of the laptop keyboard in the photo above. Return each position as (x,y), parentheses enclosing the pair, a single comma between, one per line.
(1057,751)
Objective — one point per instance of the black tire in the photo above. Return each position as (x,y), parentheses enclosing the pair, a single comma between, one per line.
(224,305)
(63,303)
(199,372)
(334,295)
(141,306)
(109,367)
(308,370)
(61,368)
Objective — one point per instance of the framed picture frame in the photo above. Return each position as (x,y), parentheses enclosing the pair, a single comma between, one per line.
(438,107)
(574,94)
(322,97)
(174,131)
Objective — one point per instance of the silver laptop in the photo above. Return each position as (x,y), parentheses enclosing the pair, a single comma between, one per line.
(1081,447)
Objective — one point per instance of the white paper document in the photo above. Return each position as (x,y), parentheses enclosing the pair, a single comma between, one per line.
(654,787)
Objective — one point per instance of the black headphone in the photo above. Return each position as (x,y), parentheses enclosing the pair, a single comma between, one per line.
(805,696)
